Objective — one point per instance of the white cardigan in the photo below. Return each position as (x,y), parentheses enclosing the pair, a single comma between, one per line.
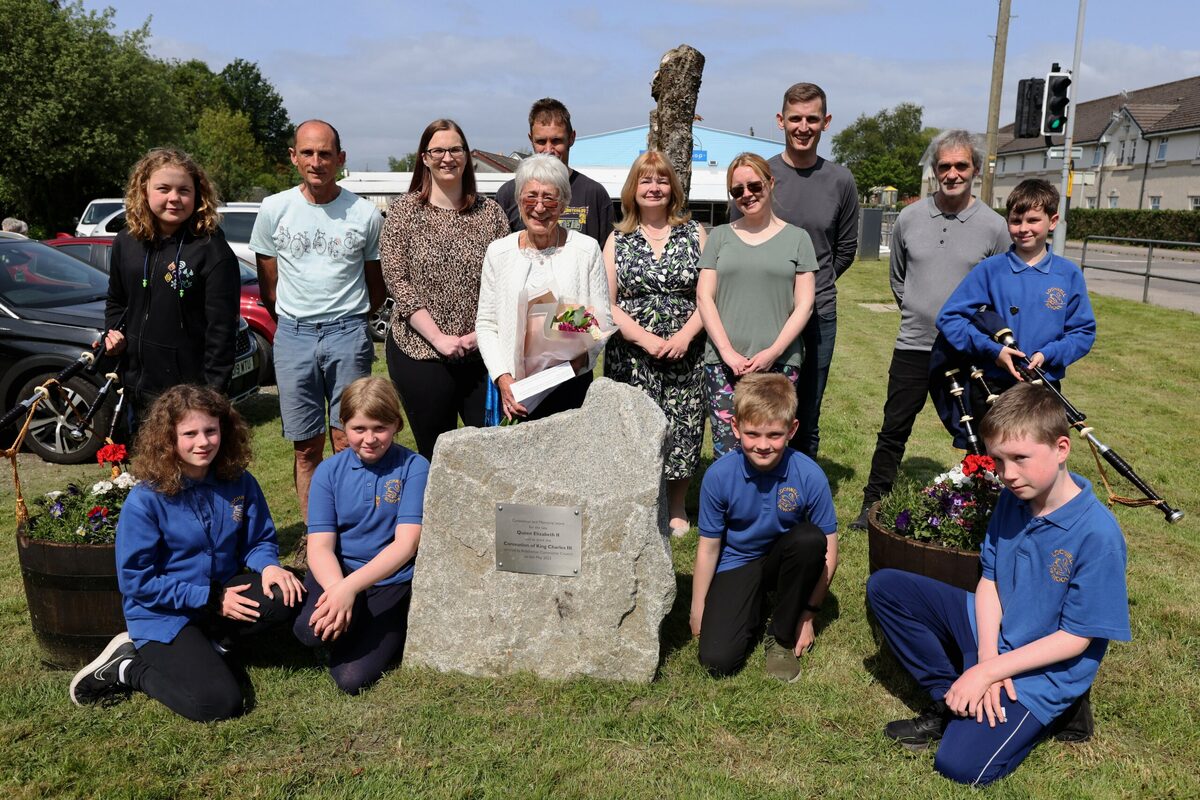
(579,277)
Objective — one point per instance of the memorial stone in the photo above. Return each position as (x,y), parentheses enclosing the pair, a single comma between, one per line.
(606,460)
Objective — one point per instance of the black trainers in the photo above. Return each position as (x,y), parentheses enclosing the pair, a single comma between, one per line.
(920,732)
(96,684)
(1076,724)
(860,522)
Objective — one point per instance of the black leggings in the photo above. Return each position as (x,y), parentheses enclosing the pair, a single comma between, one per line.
(375,640)
(734,608)
(436,393)
(188,675)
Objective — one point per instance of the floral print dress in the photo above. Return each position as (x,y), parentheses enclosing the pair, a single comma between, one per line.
(660,295)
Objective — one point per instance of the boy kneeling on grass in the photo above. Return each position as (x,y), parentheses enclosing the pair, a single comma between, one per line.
(766,523)
(1028,642)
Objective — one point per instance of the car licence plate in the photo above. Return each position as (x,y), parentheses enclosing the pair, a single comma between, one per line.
(244,366)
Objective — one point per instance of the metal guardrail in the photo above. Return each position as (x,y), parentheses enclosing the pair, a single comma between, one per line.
(1146,274)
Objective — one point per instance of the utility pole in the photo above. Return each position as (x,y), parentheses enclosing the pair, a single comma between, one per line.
(1060,231)
(993,123)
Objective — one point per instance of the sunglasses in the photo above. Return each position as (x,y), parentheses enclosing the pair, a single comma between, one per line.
(754,187)
(530,202)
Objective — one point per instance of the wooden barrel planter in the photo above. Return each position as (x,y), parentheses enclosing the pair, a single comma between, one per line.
(74,602)
(950,565)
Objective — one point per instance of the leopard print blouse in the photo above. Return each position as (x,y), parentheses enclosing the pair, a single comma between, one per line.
(432,258)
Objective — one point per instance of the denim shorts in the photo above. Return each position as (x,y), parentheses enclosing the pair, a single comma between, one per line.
(314,363)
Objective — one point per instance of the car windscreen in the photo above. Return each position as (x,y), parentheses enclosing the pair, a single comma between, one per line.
(33,275)
(238,225)
(98,211)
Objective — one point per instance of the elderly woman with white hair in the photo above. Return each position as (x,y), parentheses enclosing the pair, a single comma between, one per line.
(543,256)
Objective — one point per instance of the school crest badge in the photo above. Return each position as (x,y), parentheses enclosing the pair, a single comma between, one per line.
(391,492)
(1060,566)
(789,499)
(1056,299)
(237,508)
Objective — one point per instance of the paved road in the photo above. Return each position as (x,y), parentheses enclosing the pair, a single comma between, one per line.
(1166,263)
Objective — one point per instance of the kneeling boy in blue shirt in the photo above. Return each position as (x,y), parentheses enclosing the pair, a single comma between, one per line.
(1004,663)
(766,523)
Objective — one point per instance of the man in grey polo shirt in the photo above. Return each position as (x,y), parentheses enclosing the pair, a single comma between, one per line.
(936,241)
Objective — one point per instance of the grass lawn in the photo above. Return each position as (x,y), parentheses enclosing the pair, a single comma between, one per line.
(423,734)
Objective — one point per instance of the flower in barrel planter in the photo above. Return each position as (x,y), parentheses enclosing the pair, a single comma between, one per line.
(84,514)
(952,511)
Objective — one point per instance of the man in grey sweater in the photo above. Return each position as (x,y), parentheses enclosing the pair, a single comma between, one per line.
(936,241)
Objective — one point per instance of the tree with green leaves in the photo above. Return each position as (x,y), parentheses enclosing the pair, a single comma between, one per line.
(223,143)
(885,149)
(81,105)
(247,91)
(403,164)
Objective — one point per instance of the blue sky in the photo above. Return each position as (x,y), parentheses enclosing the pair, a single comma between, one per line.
(381,70)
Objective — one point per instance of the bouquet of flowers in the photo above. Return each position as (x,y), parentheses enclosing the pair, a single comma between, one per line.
(556,341)
(576,319)
(82,514)
(952,511)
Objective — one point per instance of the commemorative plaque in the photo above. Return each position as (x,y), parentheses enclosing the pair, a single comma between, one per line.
(539,540)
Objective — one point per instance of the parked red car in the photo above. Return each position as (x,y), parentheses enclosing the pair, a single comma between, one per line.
(97,251)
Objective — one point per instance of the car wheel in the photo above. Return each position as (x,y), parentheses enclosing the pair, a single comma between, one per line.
(266,363)
(381,320)
(50,432)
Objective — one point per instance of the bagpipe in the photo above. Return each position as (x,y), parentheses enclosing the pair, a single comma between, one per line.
(92,361)
(949,369)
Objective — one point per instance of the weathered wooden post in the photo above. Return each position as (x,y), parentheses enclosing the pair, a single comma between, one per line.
(675,87)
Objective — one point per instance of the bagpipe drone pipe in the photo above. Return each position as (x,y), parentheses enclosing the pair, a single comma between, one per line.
(961,394)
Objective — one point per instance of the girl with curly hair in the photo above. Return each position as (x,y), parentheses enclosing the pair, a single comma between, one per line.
(173,283)
(197,563)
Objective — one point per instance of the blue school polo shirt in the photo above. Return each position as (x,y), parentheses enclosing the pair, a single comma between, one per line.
(1045,304)
(363,504)
(1063,571)
(171,548)
(748,509)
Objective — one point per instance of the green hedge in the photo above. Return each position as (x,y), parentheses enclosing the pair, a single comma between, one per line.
(1175,226)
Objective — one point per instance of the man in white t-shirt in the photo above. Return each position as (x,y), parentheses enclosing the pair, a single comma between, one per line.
(317,247)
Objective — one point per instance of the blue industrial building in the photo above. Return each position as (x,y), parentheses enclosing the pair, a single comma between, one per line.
(710,147)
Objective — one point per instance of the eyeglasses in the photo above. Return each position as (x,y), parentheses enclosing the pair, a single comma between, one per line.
(959,166)
(438,153)
(530,202)
(754,187)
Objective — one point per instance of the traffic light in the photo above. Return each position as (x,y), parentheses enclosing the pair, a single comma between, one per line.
(1054,103)
(1029,107)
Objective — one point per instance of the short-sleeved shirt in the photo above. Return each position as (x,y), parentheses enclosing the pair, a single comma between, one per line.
(748,509)
(1062,571)
(823,200)
(432,258)
(756,288)
(363,504)
(320,250)
(931,252)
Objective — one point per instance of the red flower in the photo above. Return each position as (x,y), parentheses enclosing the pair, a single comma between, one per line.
(98,511)
(973,465)
(113,453)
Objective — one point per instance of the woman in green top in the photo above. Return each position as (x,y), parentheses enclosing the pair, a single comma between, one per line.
(755,294)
